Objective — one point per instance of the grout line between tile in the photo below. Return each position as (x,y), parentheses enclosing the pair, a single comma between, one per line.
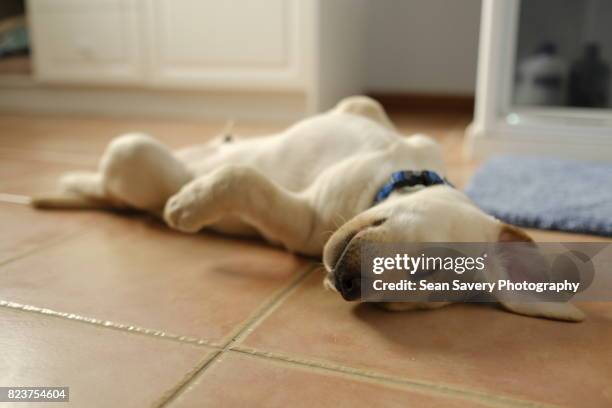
(242,330)
(171,395)
(173,392)
(51,243)
(268,307)
(106,324)
(494,400)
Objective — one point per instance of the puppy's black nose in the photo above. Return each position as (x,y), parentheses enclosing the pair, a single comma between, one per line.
(348,284)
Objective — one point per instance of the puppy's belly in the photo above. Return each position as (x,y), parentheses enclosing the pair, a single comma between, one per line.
(233,225)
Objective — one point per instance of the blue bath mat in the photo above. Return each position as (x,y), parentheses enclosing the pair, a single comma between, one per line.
(546,193)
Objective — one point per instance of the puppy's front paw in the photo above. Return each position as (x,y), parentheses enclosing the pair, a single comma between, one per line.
(180,214)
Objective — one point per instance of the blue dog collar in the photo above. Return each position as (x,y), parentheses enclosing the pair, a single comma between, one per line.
(409,178)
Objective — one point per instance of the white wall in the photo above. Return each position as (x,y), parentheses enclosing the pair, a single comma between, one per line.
(428,46)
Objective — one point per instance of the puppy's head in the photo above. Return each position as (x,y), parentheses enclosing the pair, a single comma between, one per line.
(435,214)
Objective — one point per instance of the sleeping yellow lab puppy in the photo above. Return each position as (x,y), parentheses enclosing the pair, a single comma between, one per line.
(295,188)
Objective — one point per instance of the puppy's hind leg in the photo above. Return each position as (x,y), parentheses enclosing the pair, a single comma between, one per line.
(140,172)
(136,171)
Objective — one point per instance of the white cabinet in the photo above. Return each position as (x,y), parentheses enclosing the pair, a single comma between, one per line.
(301,53)
(96,41)
(231,43)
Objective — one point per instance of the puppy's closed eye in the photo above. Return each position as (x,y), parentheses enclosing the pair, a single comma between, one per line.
(379,222)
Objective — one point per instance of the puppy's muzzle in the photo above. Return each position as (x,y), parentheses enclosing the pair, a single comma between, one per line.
(347,273)
(349,286)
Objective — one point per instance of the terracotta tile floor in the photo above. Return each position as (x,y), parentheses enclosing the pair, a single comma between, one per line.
(130,314)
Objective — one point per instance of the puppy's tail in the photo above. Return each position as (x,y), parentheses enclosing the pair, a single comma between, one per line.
(68,201)
(77,190)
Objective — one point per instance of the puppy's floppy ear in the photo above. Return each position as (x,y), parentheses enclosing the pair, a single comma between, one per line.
(510,233)
(548,310)
(525,263)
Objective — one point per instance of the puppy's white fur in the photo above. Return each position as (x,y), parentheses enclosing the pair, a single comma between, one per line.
(308,189)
